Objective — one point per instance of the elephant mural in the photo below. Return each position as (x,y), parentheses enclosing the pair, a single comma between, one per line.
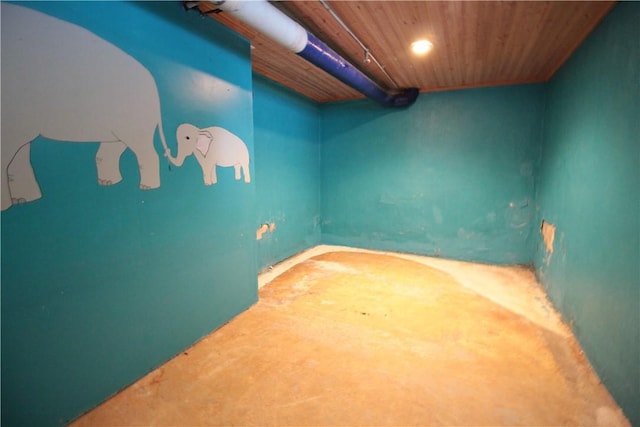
(64,83)
(213,146)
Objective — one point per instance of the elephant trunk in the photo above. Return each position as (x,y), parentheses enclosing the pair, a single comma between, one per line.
(184,150)
(176,161)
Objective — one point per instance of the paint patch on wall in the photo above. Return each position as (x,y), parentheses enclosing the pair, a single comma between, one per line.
(548,233)
(265,228)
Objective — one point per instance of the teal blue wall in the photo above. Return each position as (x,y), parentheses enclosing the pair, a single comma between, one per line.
(589,188)
(451,176)
(102,284)
(287,159)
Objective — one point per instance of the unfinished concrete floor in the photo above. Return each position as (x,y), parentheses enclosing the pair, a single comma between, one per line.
(347,337)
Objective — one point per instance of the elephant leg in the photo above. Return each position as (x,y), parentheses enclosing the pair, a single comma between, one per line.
(207,181)
(108,162)
(22,183)
(214,174)
(245,171)
(236,168)
(205,175)
(202,161)
(5,192)
(149,164)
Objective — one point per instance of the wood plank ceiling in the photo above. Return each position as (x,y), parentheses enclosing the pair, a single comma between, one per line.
(475,43)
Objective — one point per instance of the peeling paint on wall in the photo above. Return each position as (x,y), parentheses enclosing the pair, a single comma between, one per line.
(265,228)
(548,233)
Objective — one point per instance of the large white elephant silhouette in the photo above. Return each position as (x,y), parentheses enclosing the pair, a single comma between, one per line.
(213,146)
(63,82)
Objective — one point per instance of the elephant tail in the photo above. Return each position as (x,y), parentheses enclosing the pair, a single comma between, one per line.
(167,151)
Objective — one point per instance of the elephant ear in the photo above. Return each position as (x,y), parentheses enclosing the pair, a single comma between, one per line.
(204,141)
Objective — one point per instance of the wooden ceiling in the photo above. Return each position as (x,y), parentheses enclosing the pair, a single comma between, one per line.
(475,43)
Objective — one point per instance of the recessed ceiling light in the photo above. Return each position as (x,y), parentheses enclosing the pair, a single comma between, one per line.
(421,47)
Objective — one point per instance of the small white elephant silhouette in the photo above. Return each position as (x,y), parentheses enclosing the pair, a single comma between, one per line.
(213,146)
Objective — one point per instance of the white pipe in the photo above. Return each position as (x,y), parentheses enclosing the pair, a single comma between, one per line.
(267,20)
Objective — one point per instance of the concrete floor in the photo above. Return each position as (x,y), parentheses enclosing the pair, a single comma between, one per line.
(347,337)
